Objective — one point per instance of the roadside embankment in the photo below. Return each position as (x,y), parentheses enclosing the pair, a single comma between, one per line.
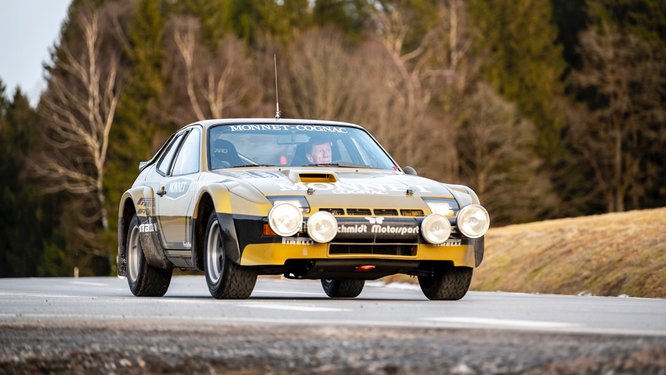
(605,255)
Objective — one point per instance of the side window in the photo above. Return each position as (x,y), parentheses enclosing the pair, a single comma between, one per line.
(163,165)
(188,158)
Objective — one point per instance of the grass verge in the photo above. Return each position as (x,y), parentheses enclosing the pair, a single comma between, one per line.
(605,255)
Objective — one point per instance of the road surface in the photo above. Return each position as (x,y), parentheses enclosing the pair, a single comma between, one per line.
(86,325)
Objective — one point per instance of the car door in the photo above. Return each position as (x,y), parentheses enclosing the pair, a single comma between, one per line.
(175,198)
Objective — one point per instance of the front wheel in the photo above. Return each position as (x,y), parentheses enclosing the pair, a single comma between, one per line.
(343,288)
(448,283)
(225,278)
(144,280)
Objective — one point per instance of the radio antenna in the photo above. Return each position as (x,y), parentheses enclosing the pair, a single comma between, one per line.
(277,102)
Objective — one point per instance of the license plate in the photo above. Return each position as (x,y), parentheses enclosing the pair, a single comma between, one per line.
(451,243)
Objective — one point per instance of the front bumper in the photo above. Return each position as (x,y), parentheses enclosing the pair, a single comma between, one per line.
(278,253)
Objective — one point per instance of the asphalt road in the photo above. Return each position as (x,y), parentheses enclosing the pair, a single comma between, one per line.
(85,325)
(303,302)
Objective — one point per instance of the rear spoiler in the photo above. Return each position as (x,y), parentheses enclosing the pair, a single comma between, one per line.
(144,164)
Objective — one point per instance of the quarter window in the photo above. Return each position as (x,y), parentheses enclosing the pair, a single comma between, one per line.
(188,158)
(163,165)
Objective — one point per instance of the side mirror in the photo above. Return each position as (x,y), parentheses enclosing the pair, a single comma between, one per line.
(410,170)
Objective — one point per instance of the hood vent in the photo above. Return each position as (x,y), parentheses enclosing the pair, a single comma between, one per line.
(307,178)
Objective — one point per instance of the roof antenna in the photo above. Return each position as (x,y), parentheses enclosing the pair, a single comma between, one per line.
(277,104)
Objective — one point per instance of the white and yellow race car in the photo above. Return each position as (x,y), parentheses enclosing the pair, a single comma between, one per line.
(300,198)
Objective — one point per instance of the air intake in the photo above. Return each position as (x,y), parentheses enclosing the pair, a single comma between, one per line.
(308,178)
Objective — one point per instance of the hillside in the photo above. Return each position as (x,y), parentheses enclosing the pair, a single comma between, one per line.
(605,255)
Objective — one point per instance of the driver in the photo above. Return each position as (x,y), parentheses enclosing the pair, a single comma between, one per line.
(319,151)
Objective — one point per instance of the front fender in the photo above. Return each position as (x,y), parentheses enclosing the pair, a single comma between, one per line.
(221,198)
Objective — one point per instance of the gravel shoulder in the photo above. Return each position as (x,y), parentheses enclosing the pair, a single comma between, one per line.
(90,347)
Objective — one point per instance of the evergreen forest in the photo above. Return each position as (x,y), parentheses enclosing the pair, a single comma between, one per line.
(547,109)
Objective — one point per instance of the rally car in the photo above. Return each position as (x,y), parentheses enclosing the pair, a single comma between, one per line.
(300,198)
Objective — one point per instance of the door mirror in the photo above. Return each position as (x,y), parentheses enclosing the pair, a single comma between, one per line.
(410,170)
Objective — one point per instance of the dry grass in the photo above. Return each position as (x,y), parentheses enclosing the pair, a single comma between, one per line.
(604,255)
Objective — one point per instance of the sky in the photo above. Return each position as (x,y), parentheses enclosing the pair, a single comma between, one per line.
(28,28)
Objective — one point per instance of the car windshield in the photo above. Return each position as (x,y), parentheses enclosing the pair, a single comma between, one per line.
(294,145)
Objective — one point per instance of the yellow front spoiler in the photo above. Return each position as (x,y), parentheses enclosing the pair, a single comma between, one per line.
(276,254)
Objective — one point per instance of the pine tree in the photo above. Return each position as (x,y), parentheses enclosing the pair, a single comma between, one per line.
(525,64)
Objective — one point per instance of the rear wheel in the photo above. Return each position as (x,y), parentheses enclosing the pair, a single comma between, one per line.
(225,278)
(448,283)
(144,280)
(343,288)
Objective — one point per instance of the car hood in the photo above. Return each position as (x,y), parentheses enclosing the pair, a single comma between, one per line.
(332,187)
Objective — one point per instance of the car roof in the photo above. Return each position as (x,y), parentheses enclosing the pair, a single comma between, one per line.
(233,121)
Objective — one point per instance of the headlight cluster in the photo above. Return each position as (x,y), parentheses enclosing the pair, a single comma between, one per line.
(285,219)
(322,227)
(473,221)
(436,228)
(446,207)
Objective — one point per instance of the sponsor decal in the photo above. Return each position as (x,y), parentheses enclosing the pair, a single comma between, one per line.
(266,175)
(177,188)
(377,226)
(310,128)
(145,206)
(451,243)
(347,188)
(358,228)
(297,241)
(394,230)
(375,220)
(187,244)
(146,202)
(148,227)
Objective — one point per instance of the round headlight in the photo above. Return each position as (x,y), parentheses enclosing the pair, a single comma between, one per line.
(436,228)
(285,219)
(322,226)
(473,221)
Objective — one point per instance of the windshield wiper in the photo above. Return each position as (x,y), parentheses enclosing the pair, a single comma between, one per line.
(339,164)
(256,165)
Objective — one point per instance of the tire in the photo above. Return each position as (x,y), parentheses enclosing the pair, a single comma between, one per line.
(343,288)
(144,280)
(449,282)
(225,278)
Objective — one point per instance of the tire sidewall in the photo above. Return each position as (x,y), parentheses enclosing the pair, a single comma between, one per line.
(216,288)
(134,285)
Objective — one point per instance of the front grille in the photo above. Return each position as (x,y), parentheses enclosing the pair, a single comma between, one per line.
(414,212)
(359,212)
(402,250)
(334,211)
(386,212)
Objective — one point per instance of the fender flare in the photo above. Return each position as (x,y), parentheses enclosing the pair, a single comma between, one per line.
(221,198)
(142,200)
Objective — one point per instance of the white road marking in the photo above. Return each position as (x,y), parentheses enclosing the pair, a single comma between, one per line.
(382,284)
(283,292)
(291,307)
(503,322)
(227,320)
(88,283)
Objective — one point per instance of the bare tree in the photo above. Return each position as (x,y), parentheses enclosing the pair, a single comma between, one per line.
(323,78)
(617,129)
(214,80)
(79,106)
(494,144)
